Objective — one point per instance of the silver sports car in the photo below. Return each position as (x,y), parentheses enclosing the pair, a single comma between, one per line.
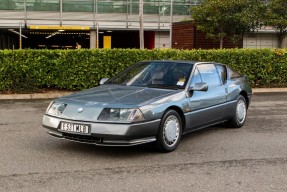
(153,101)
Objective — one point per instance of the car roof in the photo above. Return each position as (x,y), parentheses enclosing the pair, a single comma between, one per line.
(180,61)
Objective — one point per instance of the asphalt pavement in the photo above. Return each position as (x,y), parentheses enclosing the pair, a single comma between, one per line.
(252,158)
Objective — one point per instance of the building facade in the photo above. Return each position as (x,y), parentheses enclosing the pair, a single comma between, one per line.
(69,24)
(90,23)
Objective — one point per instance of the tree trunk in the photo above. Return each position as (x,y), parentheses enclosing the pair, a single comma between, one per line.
(221,42)
(280,40)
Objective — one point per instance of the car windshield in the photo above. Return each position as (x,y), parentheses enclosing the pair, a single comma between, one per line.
(154,74)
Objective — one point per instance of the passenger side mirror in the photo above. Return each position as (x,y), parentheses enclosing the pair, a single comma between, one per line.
(198,87)
(103,80)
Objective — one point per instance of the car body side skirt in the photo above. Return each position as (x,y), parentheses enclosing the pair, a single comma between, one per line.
(194,118)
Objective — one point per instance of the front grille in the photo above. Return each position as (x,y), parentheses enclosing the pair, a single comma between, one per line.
(82,138)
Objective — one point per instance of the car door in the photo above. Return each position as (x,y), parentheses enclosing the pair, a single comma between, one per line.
(207,107)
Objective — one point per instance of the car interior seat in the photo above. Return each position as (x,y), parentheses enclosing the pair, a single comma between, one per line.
(157,77)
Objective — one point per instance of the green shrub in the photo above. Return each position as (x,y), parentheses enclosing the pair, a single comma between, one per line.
(25,71)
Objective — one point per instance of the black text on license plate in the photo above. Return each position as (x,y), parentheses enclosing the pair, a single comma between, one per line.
(76,128)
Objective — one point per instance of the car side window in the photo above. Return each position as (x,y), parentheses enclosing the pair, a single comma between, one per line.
(196,77)
(222,73)
(209,74)
(231,74)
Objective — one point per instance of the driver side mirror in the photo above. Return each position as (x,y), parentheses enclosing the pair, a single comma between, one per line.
(103,80)
(198,87)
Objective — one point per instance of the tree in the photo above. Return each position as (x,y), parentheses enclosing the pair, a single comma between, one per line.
(221,19)
(276,17)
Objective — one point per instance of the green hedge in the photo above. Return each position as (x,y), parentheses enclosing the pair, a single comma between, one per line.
(32,70)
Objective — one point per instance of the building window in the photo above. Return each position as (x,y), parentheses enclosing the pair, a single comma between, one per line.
(11,4)
(78,6)
(43,5)
(115,6)
(157,7)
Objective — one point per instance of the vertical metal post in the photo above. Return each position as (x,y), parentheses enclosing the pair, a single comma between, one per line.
(25,11)
(163,11)
(141,24)
(127,13)
(131,11)
(97,43)
(20,35)
(171,21)
(97,25)
(61,12)
(94,13)
(96,9)
(159,14)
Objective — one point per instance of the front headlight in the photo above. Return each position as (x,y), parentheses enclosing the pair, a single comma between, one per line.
(118,114)
(56,108)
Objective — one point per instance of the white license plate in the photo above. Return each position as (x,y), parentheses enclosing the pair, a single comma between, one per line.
(75,128)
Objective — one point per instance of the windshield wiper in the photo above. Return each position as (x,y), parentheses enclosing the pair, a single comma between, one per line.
(114,83)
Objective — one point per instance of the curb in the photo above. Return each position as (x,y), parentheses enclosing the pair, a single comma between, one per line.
(269,90)
(53,95)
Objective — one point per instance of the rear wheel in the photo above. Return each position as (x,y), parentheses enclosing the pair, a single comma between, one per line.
(240,113)
(170,131)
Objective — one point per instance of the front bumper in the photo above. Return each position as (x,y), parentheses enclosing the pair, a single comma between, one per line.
(111,134)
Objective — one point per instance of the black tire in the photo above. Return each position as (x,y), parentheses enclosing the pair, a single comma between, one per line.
(240,113)
(170,131)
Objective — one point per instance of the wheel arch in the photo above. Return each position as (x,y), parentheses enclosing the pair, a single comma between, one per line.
(180,113)
(244,94)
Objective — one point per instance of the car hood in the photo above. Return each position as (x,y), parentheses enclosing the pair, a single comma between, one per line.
(114,94)
(92,101)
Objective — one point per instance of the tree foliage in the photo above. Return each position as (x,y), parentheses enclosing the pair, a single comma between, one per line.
(276,17)
(221,19)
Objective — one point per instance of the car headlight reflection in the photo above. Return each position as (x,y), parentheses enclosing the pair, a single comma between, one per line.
(56,108)
(118,114)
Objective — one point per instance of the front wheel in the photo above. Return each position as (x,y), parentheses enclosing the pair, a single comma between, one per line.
(170,131)
(240,113)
